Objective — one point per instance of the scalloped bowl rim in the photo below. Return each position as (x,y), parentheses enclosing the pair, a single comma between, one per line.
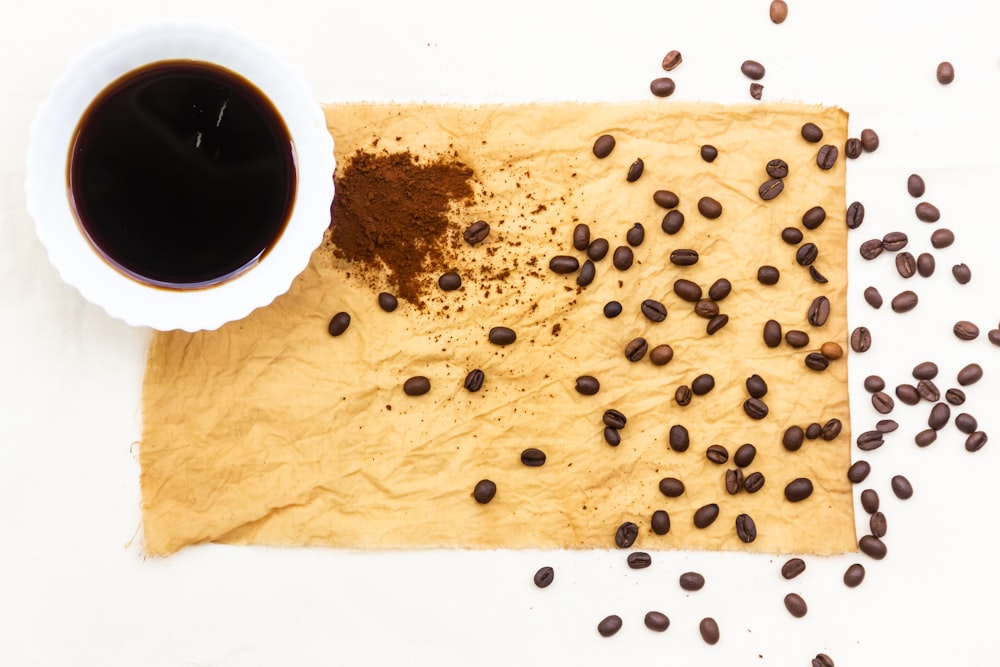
(70,252)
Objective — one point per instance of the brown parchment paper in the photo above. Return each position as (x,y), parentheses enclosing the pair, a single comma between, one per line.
(271,431)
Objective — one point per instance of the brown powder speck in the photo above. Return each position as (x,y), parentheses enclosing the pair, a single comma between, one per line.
(556,328)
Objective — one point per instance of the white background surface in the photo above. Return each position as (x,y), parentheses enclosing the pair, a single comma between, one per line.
(75,587)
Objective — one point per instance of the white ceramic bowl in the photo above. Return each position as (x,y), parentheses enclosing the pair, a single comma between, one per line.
(70,251)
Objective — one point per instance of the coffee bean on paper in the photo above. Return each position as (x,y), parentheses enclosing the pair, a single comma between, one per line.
(678,438)
(806,254)
(653,310)
(925,264)
(635,235)
(776,168)
(734,481)
(622,258)
(477,232)
(662,86)
(827,156)
(928,391)
(598,249)
(660,522)
(792,568)
(812,133)
(387,302)
(954,396)
(672,222)
(814,430)
(778,11)
(416,386)
(558,264)
(756,386)
(859,471)
(894,241)
(656,621)
(684,257)
(755,408)
(772,333)
(871,248)
(770,188)
(744,455)
(636,349)
(484,491)
(612,309)
(706,515)
(474,380)
(717,454)
(901,487)
(793,438)
(709,630)
(768,275)
(614,419)
(533,457)
(791,235)
(906,264)
(626,534)
(587,274)
(709,207)
(925,437)
(612,436)
(877,525)
(672,60)
(795,605)
(581,236)
(635,170)
(671,487)
(339,323)
(451,281)
(904,301)
(814,217)
(609,625)
(746,529)
(907,393)
(927,212)
(709,153)
(720,289)
(970,374)
(753,482)
(691,581)
(661,355)
(945,73)
(587,385)
(502,335)
(682,395)
(942,238)
(798,489)
(604,145)
(706,308)
(702,384)
(965,330)
(666,199)
(819,311)
(874,383)
(544,576)
(915,185)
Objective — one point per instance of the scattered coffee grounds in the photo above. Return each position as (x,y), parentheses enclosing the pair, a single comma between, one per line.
(392,217)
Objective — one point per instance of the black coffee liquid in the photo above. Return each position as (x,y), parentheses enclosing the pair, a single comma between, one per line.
(182,174)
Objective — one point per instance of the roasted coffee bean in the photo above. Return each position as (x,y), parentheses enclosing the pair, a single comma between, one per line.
(905,301)
(691,581)
(653,310)
(816,361)
(339,323)
(939,416)
(612,436)
(660,522)
(816,275)
(387,302)
(502,335)
(873,297)
(661,355)
(955,396)
(709,630)
(965,330)
(928,390)
(793,438)
(477,232)
(587,274)
(484,491)
(626,534)
(901,487)
(544,576)
(635,235)
(451,281)
(831,350)
(636,349)
(671,487)
(684,257)
(792,568)
(558,264)
(907,393)
(822,660)
(927,212)
(877,525)
(709,153)
(925,437)
(796,338)
(925,264)
(874,383)
(533,457)
(945,73)
(870,500)
(906,264)
(975,441)
(855,215)
(679,439)
(961,273)
(772,333)
(474,380)
(770,188)
(791,235)
(871,248)
(687,290)
(942,238)
(778,11)
(873,547)
(993,335)
(776,168)
(795,605)
(614,419)
(720,289)
(869,140)
(915,185)
(752,70)
(831,429)
(870,440)
(756,90)
(639,560)
(635,170)
(819,311)
(581,237)
(702,384)
(609,625)
(666,198)
(672,60)
(970,374)
(756,386)
(812,133)
(656,621)
(706,308)
(753,482)
(598,249)
(622,258)
(706,515)
(744,455)
(861,339)
(682,395)
(925,370)
(894,241)
(710,208)
(417,385)
(604,145)
(746,529)
(882,402)
(886,425)
(814,217)
(798,489)
(734,481)
(612,309)
(717,454)
(661,87)
(755,408)
(966,423)
(587,385)
(813,431)
(827,156)
(853,148)
(806,254)
(858,472)
(672,222)
(853,576)
(768,275)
